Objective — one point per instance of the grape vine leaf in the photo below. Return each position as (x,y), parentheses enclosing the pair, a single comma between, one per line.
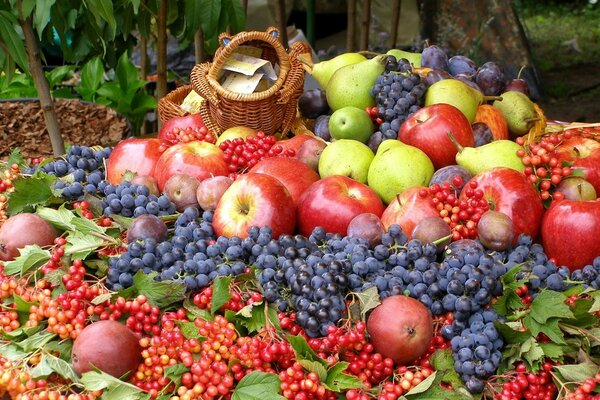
(258,386)
(550,328)
(254,317)
(80,245)
(577,372)
(159,294)
(549,304)
(220,294)
(510,301)
(31,257)
(338,381)
(30,192)
(303,351)
(60,217)
(367,300)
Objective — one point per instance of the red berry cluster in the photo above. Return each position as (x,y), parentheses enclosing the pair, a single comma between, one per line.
(585,390)
(287,322)
(239,299)
(84,207)
(527,385)
(243,154)
(185,135)
(142,316)
(461,211)
(542,168)
(7,176)
(374,114)
(297,384)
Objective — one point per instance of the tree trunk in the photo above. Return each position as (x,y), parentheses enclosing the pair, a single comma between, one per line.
(199,50)
(365,25)
(161,51)
(41,84)
(351,32)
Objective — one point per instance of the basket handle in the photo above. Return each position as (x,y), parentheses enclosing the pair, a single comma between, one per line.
(230,44)
(297,50)
(200,84)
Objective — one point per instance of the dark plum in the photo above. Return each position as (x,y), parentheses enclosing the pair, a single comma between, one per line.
(147,226)
(448,173)
(432,229)
(495,229)
(321,128)
(461,65)
(434,57)
(490,78)
(482,133)
(467,80)
(436,75)
(313,103)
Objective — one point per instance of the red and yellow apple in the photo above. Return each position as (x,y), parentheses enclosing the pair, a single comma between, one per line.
(583,153)
(138,156)
(408,209)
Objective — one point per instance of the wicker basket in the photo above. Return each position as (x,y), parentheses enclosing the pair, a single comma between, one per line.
(272,110)
(169,107)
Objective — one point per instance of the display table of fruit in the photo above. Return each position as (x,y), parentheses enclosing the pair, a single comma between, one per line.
(432,237)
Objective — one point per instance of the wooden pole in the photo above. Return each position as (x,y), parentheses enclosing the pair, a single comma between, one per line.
(245,6)
(161,52)
(281,21)
(143,71)
(199,50)
(351,28)
(365,25)
(41,84)
(395,21)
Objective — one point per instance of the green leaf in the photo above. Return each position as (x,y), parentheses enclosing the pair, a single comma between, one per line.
(63,348)
(303,351)
(368,300)
(30,191)
(101,298)
(42,369)
(190,330)
(60,218)
(126,72)
(91,77)
(12,352)
(252,317)
(41,17)
(338,381)
(195,311)
(36,341)
(596,304)
(316,367)
(549,304)
(424,385)
(553,351)
(114,388)
(175,372)
(258,386)
(577,372)
(532,353)
(16,157)
(61,367)
(550,328)
(103,10)
(12,40)
(443,361)
(31,257)
(220,294)
(236,16)
(21,305)
(27,7)
(87,226)
(80,245)
(204,14)
(159,294)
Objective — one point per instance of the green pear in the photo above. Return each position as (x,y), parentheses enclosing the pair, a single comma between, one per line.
(397,167)
(323,70)
(518,110)
(346,157)
(499,153)
(413,58)
(457,94)
(350,85)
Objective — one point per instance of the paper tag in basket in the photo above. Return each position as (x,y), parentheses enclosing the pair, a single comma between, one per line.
(249,66)
(240,83)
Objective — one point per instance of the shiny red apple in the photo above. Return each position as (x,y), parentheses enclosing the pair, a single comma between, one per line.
(570,232)
(584,154)
(198,159)
(191,125)
(509,192)
(293,143)
(427,129)
(295,175)
(408,209)
(138,156)
(333,202)
(254,200)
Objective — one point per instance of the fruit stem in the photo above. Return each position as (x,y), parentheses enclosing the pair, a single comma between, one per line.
(442,239)
(492,98)
(306,62)
(369,53)
(521,70)
(531,119)
(459,147)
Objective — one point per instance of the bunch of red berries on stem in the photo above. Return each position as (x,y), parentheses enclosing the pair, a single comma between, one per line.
(239,298)
(374,114)
(297,384)
(186,135)
(287,322)
(142,317)
(84,207)
(586,390)
(542,168)
(461,211)
(520,384)
(243,154)
(7,176)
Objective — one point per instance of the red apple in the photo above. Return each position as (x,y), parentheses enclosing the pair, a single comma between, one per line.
(494,119)
(198,159)
(400,328)
(509,192)
(210,191)
(255,200)
(136,155)
(333,202)
(293,174)
(191,125)
(570,232)
(294,143)
(310,152)
(428,130)
(576,188)
(584,154)
(408,209)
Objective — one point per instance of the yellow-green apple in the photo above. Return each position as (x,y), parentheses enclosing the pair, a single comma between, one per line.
(408,209)
(138,156)
(494,119)
(198,159)
(400,328)
(570,231)
(576,188)
(210,190)
(351,123)
(509,192)
(293,174)
(254,200)
(346,157)
(310,152)
(397,167)
(235,132)
(333,202)
(427,129)
(582,153)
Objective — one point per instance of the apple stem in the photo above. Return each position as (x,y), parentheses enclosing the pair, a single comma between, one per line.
(521,70)
(459,147)
(442,239)
(491,98)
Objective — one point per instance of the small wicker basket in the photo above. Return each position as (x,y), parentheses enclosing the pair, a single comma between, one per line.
(271,110)
(169,107)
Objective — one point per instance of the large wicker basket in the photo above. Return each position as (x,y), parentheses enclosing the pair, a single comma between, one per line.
(170,106)
(271,110)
